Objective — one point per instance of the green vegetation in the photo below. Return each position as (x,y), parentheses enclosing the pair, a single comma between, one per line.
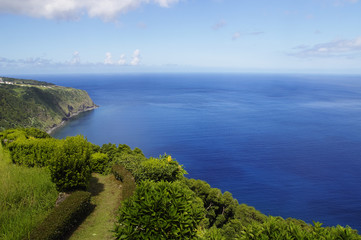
(64,218)
(127,179)
(70,169)
(68,160)
(29,103)
(26,196)
(158,202)
(106,197)
(160,210)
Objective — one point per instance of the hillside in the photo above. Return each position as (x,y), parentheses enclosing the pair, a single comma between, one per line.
(30,103)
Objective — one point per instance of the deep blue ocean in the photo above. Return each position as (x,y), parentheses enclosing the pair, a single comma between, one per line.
(289,145)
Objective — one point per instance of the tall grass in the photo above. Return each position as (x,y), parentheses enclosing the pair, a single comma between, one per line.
(26,196)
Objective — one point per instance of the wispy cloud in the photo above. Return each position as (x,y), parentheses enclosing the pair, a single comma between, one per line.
(75,9)
(339,48)
(219,25)
(73,62)
(38,61)
(236,35)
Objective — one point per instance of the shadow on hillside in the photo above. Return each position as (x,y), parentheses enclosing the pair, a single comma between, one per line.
(95,187)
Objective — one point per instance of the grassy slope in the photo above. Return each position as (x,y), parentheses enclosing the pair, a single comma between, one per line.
(106,196)
(39,106)
(26,196)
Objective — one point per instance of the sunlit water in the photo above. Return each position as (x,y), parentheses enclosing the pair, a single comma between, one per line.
(287,145)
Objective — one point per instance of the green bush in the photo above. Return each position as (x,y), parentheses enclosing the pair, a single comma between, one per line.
(71,168)
(123,175)
(160,210)
(64,218)
(33,152)
(163,168)
(99,162)
(122,155)
(222,208)
(277,228)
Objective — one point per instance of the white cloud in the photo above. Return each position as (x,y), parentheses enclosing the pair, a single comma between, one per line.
(76,58)
(108,59)
(219,25)
(339,48)
(136,58)
(165,3)
(122,60)
(74,9)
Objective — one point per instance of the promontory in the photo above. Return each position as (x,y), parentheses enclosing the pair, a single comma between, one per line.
(30,103)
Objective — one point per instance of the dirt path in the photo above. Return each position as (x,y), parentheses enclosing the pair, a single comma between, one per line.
(106,196)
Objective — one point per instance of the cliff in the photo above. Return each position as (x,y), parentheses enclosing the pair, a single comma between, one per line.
(30,103)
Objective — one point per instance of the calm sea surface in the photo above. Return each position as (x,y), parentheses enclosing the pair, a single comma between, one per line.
(289,145)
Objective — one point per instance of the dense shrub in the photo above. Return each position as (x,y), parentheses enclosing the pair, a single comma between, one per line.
(64,218)
(71,168)
(33,152)
(160,210)
(122,155)
(123,175)
(99,162)
(277,228)
(11,135)
(222,208)
(163,168)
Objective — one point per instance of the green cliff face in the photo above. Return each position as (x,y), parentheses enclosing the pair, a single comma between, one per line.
(29,103)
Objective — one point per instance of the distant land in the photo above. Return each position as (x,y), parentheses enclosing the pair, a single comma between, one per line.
(31,103)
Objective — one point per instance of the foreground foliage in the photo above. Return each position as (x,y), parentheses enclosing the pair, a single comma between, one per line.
(26,196)
(161,203)
(160,210)
(70,169)
(63,218)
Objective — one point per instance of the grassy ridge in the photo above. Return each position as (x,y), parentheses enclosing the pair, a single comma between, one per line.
(28,103)
(26,196)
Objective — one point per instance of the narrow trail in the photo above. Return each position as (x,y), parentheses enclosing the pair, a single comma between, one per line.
(106,196)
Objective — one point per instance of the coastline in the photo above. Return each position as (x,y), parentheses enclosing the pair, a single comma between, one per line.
(63,122)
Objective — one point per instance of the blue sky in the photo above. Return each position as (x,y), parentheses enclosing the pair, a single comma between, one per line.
(115,36)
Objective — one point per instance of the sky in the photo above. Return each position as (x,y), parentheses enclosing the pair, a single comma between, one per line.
(120,36)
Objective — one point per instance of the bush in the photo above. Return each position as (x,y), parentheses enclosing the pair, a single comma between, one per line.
(163,168)
(277,228)
(160,210)
(221,208)
(123,175)
(64,218)
(99,162)
(71,168)
(33,152)
(122,155)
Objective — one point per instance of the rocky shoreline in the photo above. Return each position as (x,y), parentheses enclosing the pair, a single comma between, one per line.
(62,123)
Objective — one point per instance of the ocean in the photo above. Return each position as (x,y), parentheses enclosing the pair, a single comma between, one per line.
(289,145)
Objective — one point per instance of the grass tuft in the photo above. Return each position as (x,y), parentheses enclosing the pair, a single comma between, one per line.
(26,196)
